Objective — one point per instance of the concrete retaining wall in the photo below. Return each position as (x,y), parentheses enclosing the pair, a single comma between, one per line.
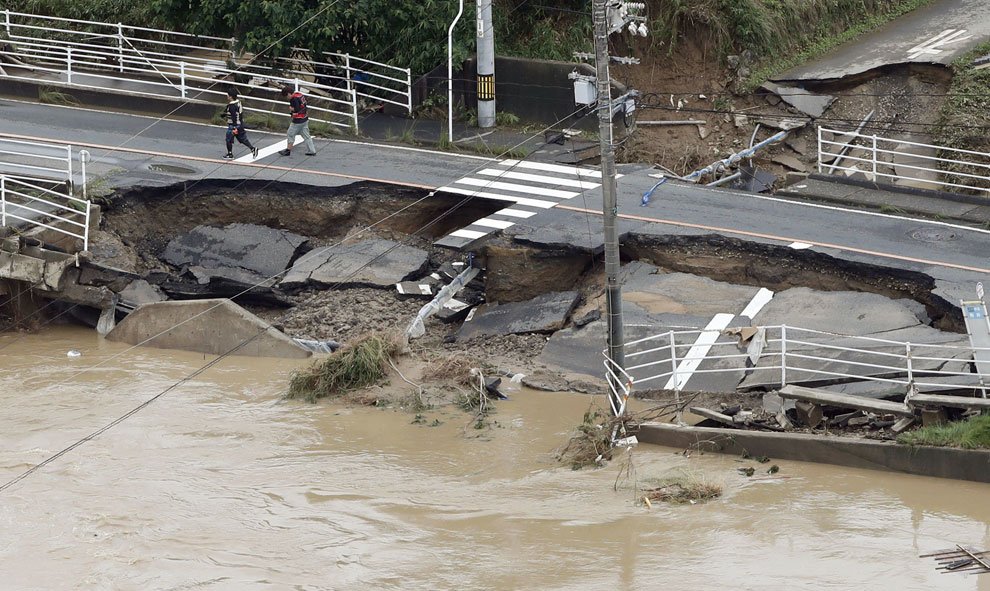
(213,326)
(940,462)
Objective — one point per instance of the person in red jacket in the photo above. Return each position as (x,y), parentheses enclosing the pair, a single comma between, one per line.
(300,122)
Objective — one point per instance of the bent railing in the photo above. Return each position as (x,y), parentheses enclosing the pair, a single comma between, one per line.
(881,158)
(42,207)
(771,357)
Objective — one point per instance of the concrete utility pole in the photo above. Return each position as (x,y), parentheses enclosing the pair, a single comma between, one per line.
(486,65)
(613,294)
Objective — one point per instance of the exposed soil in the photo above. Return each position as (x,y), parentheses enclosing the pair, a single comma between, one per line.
(694,84)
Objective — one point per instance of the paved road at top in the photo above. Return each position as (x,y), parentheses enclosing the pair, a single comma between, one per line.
(938,33)
(955,264)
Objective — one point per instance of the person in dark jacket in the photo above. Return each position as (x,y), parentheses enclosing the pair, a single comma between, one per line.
(300,122)
(235,125)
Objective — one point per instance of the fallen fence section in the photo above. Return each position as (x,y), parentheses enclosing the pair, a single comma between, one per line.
(40,207)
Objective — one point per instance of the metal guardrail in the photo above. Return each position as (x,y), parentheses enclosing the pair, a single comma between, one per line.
(46,208)
(783,354)
(875,156)
(38,162)
(170,64)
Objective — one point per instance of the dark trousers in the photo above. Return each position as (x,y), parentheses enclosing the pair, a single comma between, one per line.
(241,134)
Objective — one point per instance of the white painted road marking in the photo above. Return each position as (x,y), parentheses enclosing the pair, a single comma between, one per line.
(497,196)
(490,223)
(698,351)
(703,344)
(269,150)
(933,45)
(539,178)
(762,298)
(516,213)
(799,245)
(516,188)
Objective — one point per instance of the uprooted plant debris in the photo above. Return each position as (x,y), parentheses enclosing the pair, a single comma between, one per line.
(682,489)
(358,365)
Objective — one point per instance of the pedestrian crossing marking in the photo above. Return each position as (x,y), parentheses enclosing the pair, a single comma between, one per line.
(550,181)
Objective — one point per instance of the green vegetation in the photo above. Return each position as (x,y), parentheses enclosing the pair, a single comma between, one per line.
(970,434)
(682,488)
(965,117)
(591,444)
(354,366)
(53,96)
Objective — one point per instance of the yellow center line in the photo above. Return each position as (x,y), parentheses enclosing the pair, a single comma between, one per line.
(786,239)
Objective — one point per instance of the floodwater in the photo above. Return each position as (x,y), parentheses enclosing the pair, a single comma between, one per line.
(221,485)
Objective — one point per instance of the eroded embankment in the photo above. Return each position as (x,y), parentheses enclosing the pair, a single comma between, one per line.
(145,219)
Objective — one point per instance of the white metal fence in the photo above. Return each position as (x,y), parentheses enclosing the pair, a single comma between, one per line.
(38,162)
(902,160)
(167,64)
(778,355)
(39,206)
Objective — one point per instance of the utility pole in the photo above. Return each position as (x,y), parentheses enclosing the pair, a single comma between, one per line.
(613,289)
(486,65)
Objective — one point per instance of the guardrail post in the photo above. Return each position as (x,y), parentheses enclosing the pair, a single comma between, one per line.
(296,82)
(120,46)
(874,158)
(347,72)
(673,357)
(182,79)
(354,110)
(68,65)
(783,355)
(68,166)
(819,149)
(3,201)
(6,14)
(409,90)
(910,365)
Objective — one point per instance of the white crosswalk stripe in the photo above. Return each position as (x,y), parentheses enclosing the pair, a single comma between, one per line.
(537,186)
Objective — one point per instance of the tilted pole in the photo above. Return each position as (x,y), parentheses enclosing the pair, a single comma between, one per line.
(613,294)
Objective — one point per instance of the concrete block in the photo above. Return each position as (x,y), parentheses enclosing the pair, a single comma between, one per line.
(213,327)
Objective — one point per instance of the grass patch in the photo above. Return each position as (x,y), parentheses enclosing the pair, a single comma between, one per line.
(964,118)
(970,434)
(682,489)
(591,444)
(54,96)
(269,121)
(354,366)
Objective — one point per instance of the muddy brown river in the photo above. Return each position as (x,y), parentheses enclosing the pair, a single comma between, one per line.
(220,484)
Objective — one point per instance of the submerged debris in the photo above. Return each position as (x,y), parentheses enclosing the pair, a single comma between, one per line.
(683,489)
(591,445)
(354,366)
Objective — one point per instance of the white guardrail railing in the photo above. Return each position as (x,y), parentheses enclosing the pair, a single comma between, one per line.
(777,355)
(39,206)
(38,188)
(901,160)
(178,65)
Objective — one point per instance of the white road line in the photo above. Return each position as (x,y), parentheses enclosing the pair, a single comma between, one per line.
(799,245)
(761,299)
(696,354)
(490,223)
(847,210)
(933,45)
(268,150)
(539,203)
(553,168)
(517,188)
(516,213)
(470,234)
(539,178)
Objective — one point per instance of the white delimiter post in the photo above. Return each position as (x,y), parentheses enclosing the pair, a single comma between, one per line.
(486,65)
(613,294)
(450,71)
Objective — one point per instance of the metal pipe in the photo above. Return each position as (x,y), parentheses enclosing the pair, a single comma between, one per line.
(450,72)
(727,162)
(724,180)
